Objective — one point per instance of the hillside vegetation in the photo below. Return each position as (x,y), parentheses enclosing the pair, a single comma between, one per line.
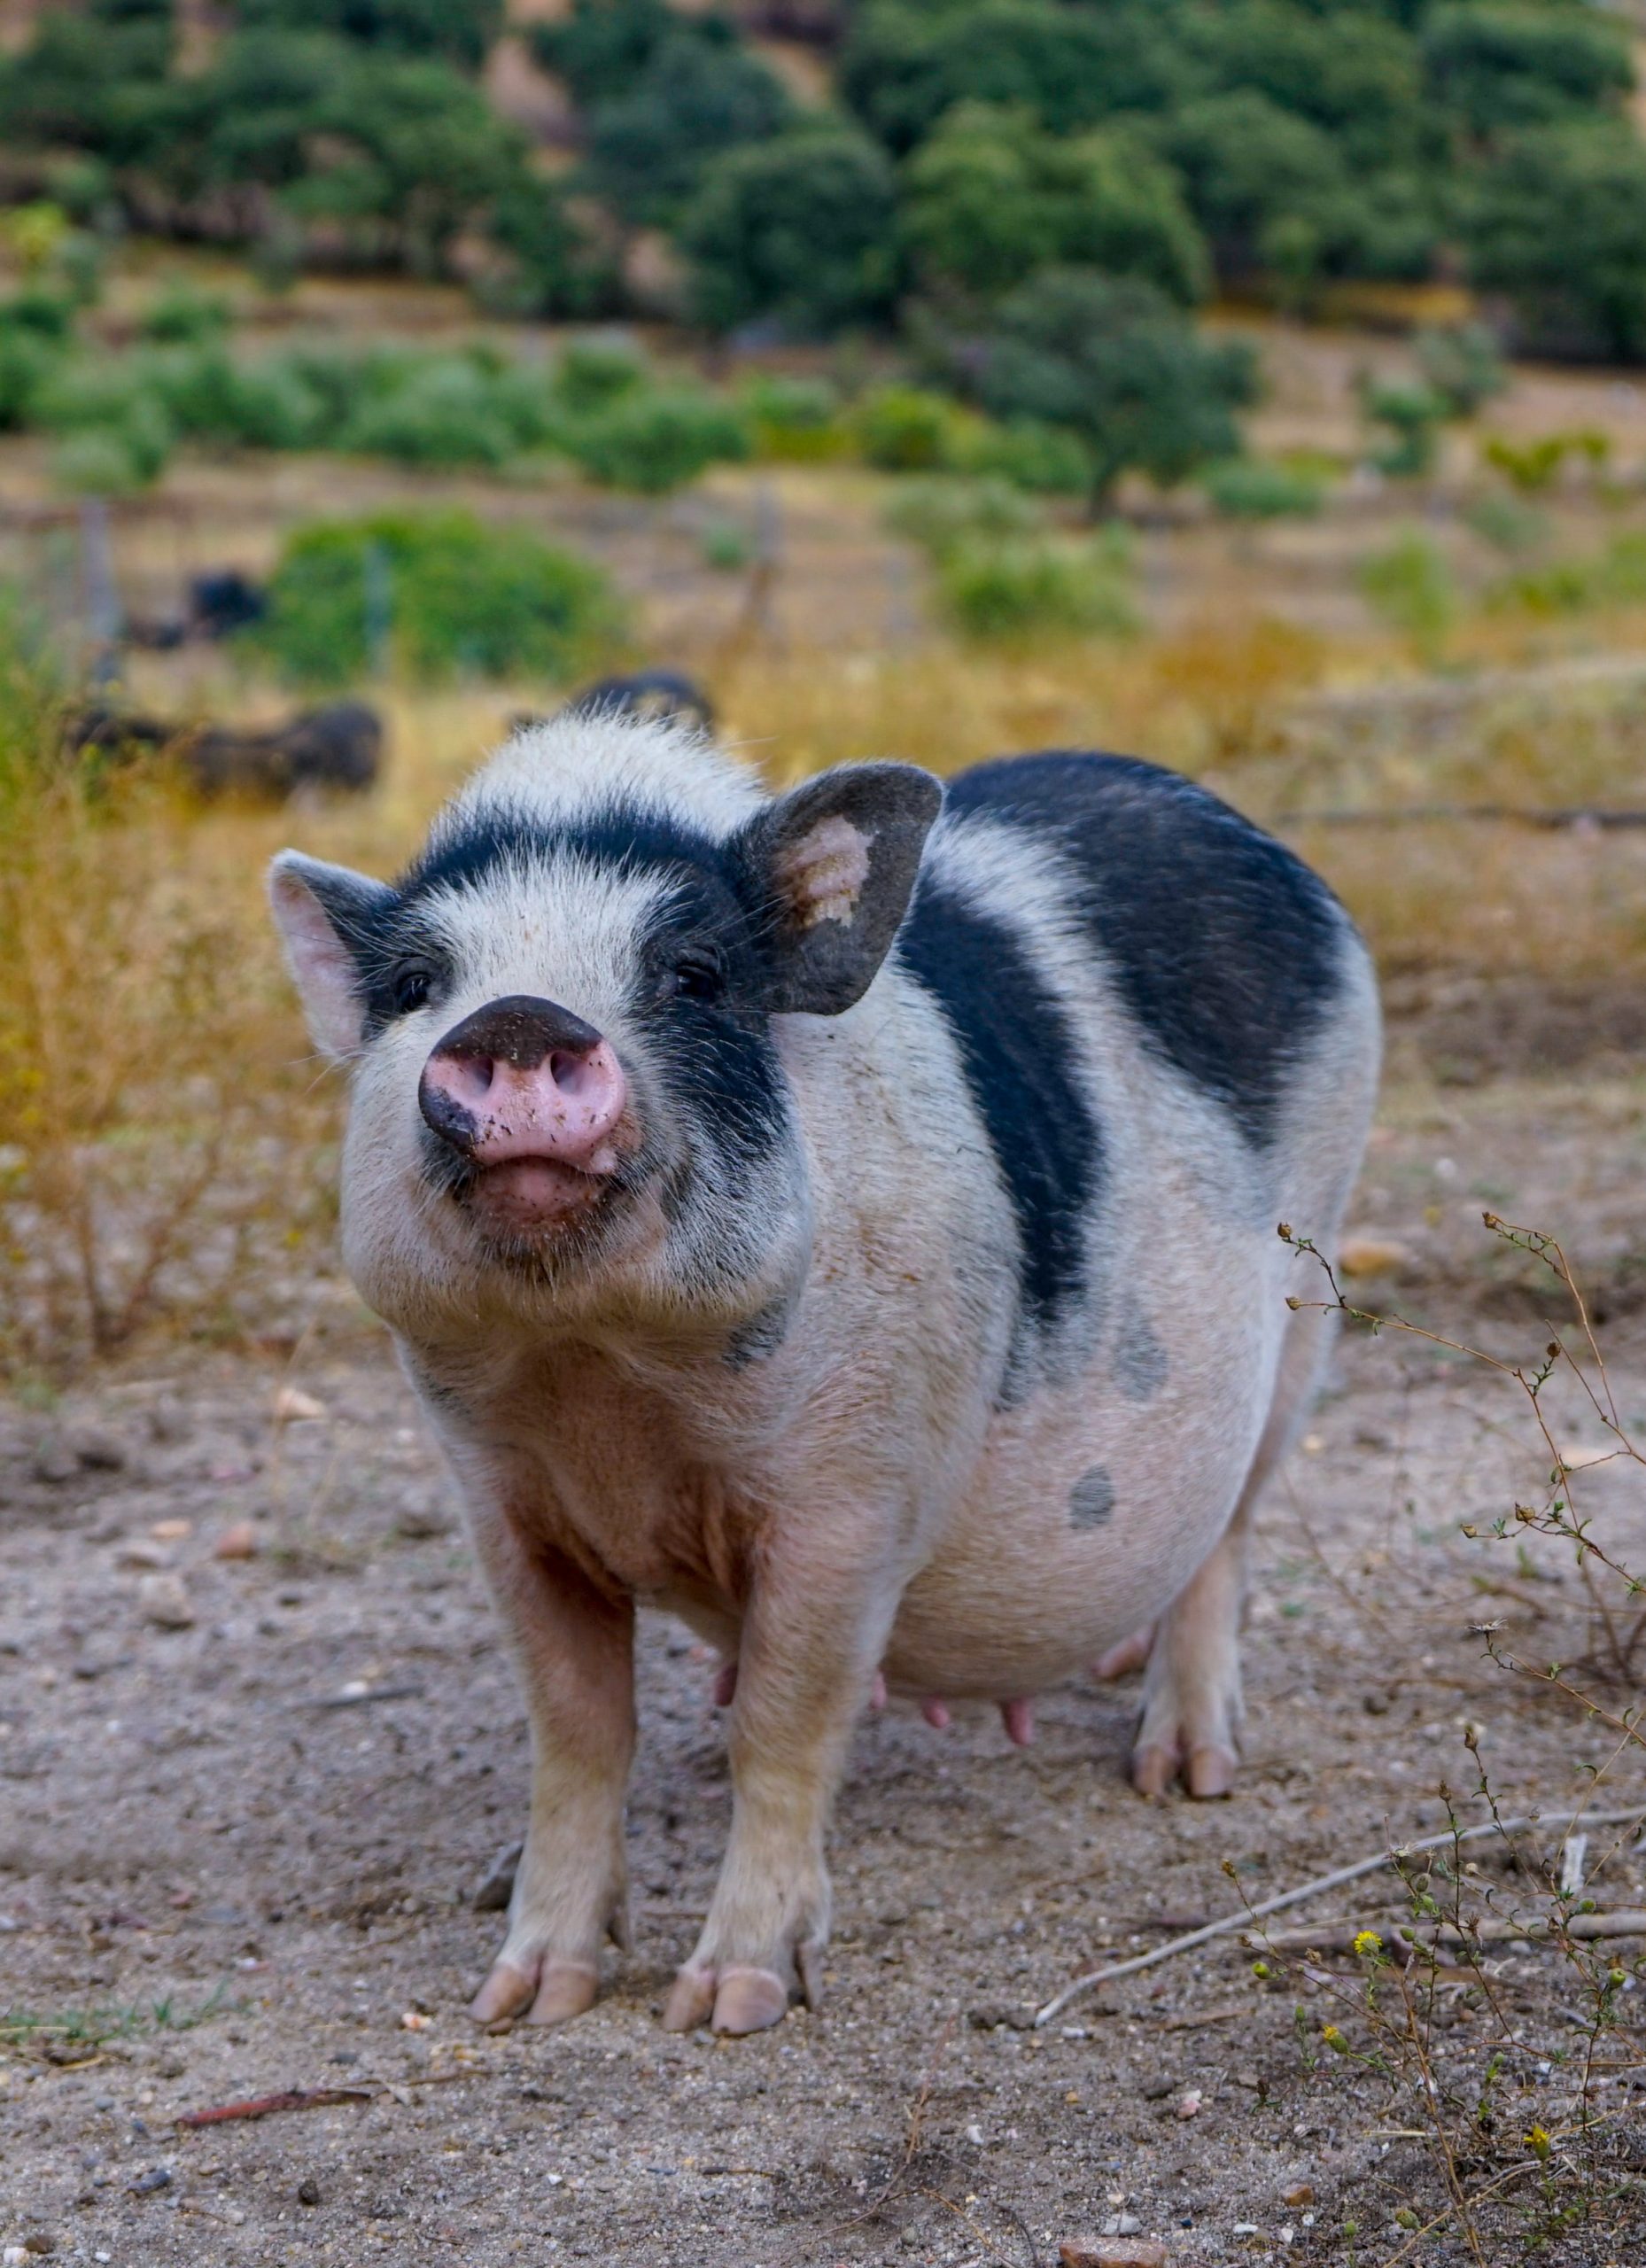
(946,153)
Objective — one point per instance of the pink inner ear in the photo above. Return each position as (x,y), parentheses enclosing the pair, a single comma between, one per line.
(822,873)
(321,965)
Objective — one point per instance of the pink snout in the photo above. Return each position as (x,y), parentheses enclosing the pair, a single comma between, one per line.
(534,1096)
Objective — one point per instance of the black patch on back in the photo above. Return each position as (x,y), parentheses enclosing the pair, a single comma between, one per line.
(1019,1056)
(1227,950)
(1140,1363)
(1092,1499)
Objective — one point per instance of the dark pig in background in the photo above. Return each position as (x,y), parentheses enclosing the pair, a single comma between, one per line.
(845,1220)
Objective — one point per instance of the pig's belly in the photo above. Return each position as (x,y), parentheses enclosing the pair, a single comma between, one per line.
(1088,1513)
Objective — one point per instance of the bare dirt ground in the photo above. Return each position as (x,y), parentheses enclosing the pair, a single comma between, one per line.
(238,1854)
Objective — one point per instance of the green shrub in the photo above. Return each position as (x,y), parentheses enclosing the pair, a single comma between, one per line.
(657,439)
(25,360)
(182,317)
(794,421)
(1460,363)
(1414,414)
(463,599)
(726,546)
(1030,587)
(1409,584)
(1615,576)
(114,431)
(1504,522)
(444,414)
(1534,466)
(905,429)
(594,373)
(40,312)
(942,512)
(1258,488)
(1045,460)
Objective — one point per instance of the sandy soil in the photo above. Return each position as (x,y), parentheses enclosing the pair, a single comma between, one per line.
(239,1854)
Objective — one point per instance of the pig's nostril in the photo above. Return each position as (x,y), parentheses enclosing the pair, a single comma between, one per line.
(570,1071)
(476,1073)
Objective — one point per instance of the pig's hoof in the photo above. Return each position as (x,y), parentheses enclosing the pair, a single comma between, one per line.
(1120,1661)
(691,2000)
(1210,1772)
(560,1991)
(1153,1770)
(506,1991)
(750,2000)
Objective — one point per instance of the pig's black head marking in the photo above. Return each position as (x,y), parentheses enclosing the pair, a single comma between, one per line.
(1092,1499)
(832,865)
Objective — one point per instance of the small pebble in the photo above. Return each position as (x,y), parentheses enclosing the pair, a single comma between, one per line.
(96,1448)
(141,1552)
(292,1405)
(1302,2194)
(1113,2252)
(1189,2105)
(38,2242)
(418,1522)
(1123,2224)
(239,1541)
(308,2192)
(55,1463)
(164,1602)
(157,2178)
(168,1421)
(171,1531)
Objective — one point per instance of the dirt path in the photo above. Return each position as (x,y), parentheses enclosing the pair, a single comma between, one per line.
(238,1855)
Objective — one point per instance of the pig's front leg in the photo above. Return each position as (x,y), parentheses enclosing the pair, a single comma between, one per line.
(812,1638)
(574,1645)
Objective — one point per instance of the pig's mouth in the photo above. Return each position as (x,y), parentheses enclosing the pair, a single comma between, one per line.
(534,1197)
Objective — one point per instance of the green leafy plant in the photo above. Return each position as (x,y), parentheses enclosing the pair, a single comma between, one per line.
(1261,488)
(1409,584)
(657,439)
(459,599)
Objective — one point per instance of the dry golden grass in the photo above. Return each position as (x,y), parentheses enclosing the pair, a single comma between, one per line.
(163,1128)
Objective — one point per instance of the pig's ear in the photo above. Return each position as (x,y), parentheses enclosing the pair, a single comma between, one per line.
(325,915)
(836,861)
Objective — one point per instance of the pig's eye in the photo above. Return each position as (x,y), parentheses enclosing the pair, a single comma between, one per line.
(696,976)
(410,989)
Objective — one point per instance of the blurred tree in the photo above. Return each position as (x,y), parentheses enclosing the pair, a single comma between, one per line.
(990,197)
(1492,69)
(1115,361)
(696,97)
(456,31)
(800,229)
(906,62)
(1557,224)
(604,45)
(1344,69)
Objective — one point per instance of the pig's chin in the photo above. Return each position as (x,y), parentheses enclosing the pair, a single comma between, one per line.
(534,1200)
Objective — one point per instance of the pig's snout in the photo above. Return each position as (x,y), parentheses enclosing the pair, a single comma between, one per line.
(534,1096)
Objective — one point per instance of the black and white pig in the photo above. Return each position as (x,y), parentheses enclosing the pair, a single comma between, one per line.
(845,1220)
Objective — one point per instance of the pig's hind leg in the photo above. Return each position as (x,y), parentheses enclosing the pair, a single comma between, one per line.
(1191,1700)
(574,1648)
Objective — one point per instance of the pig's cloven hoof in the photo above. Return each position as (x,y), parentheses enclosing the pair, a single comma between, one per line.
(735,1999)
(560,1991)
(1208,1772)
(1132,1653)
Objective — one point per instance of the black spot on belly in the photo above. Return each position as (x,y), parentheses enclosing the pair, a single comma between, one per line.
(1140,1363)
(1092,1499)
(1020,1058)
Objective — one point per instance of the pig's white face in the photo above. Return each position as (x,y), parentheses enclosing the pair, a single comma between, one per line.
(566,1086)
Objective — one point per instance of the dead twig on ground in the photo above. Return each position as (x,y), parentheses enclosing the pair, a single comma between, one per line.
(264,2106)
(1334,1936)
(1317,1889)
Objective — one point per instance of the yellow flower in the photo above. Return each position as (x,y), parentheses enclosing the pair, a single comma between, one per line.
(1368,1942)
(1333,2038)
(1537,2142)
